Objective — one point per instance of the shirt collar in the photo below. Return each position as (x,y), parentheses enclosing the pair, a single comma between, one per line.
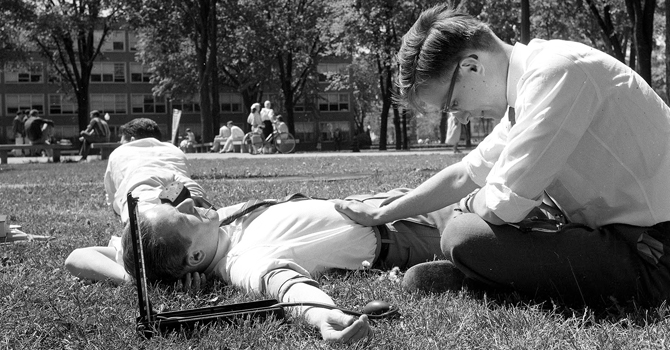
(221,251)
(517,60)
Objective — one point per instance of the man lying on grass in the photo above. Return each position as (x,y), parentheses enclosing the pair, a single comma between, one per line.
(276,250)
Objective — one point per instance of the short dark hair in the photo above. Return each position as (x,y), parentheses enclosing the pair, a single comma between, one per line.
(434,45)
(34,113)
(165,253)
(141,128)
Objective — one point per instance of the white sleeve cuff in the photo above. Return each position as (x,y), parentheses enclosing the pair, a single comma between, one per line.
(277,282)
(507,205)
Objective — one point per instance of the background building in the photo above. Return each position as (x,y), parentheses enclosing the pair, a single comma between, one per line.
(120,87)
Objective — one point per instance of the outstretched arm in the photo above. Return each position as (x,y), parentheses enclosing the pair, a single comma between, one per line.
(335,326)
(444,188)
(96,264)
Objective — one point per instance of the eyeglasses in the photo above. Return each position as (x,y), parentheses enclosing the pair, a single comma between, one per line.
(450,92)
(176,192)
(454,76)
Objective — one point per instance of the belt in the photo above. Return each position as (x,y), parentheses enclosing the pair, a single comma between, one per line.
(384,243)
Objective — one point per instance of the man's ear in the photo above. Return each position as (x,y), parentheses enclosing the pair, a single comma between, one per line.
(195,258)
(473,64)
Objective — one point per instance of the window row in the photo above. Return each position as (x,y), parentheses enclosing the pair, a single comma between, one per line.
(60,104)
(115,72)
(102,72)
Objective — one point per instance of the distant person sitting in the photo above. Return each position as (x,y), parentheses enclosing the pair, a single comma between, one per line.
(280,126)
(39,130)
(97,131)
(236,135)
(221,138)
(187,145)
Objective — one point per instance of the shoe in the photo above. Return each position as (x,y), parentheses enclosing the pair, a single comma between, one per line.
(433,277)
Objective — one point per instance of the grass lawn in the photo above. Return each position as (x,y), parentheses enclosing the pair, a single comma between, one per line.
(43,307)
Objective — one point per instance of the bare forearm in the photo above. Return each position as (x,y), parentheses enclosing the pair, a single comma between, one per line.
(444,188)
(92,263)
(335,326)
(302,292)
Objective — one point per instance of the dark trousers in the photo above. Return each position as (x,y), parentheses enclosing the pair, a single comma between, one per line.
(86,144)
(577,265)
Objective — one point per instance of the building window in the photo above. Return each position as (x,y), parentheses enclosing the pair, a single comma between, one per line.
(305,132)
(300,105)
(132,41)
(140,104)
(326,70)
(139,73)
(334,102)
(60,104)
(187,105)
(115,40)
(230,103)
(16,102)
(110,103)
(114,72)
(330,129)
(32,73)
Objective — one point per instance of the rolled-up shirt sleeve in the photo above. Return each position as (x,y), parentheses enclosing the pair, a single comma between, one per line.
(553,110)
(481,160)
(277,282)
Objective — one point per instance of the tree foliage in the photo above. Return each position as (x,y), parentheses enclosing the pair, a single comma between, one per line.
(374,28)
(295,34)
(245,61)
(14,43)
(64,33)
(179,44)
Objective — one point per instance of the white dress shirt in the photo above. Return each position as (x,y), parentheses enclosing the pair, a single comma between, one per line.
(589,130)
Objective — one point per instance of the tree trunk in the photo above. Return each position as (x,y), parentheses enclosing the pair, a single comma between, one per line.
(204,73)
(83,107)
(643,31)
(383,125)
(465,128)
(405,138)
(525,21)
(397,129)
(443,127)
(286,77)
(212,64)
(385,82)
(609,36)
(667,53)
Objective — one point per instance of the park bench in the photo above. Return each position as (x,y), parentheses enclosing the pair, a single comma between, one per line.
(56,148)
(105,148)
(205,147)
